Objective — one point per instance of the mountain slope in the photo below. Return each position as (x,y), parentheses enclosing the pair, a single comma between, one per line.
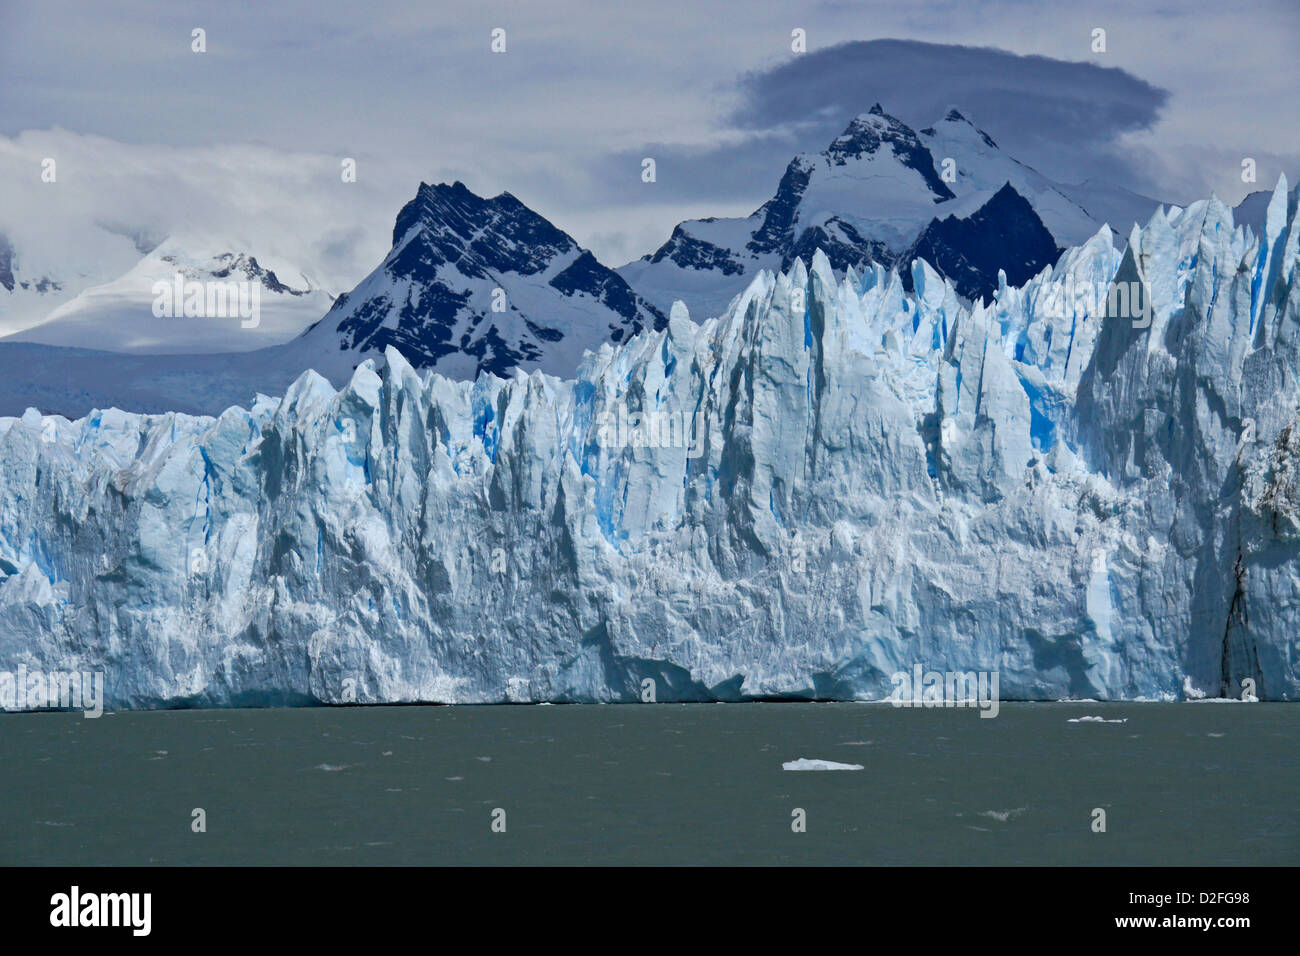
(263,301)
(475,284)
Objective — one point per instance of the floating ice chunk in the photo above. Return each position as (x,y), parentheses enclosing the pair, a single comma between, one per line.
(1002,816)
(1097,720)
(805,763)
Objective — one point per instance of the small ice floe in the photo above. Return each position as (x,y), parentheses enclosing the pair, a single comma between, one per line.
(332,768)
(856,743)
(1097,720)
(804,763)
(387,753)
(1214,735)
(484,759)
(455,778)
(1002,816)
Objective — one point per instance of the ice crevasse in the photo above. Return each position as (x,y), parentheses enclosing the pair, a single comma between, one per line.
(1091,505)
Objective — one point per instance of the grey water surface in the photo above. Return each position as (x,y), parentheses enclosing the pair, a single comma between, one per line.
(1180,783)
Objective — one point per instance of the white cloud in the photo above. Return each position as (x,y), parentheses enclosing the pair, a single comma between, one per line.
(109,197)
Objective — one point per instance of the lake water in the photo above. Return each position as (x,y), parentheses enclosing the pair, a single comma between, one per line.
(1207,783)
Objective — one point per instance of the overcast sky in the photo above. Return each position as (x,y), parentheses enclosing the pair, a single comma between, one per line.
(247,137)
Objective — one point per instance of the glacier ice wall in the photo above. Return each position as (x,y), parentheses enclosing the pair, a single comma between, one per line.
(1090,504)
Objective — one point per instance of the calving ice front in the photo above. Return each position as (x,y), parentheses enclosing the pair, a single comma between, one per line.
(75,908)
(923,688)
(192,299)
(886,473)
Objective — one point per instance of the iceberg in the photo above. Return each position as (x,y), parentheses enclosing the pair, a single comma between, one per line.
(806,763)
(1091,505)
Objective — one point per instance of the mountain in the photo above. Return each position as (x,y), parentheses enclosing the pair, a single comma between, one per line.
(478,285)
(1004,235)
(35,281)
(1072,213)
(834,482)
(1253,210)
(20,292)
(263,300)
(474,284)
(867,198)
(862,199)
(435,297)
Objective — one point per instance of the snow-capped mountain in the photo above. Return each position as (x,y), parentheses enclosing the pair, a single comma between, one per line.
(980,168)
(34,282)
(833,482)
(11,282)
(867,198)
(476,284)
(188,295)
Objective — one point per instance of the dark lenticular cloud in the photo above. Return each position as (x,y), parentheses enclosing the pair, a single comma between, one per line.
(1027,103)
(1064,118)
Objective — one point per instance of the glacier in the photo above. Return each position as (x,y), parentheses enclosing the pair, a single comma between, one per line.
(1091,505)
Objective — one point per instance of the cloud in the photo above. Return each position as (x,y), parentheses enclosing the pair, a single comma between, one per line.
(1070,120)
(111,201)
(587,91)
(1065,116)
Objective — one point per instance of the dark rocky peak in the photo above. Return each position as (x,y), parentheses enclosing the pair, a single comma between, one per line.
(500,234)
(6,264)
(1005,233)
